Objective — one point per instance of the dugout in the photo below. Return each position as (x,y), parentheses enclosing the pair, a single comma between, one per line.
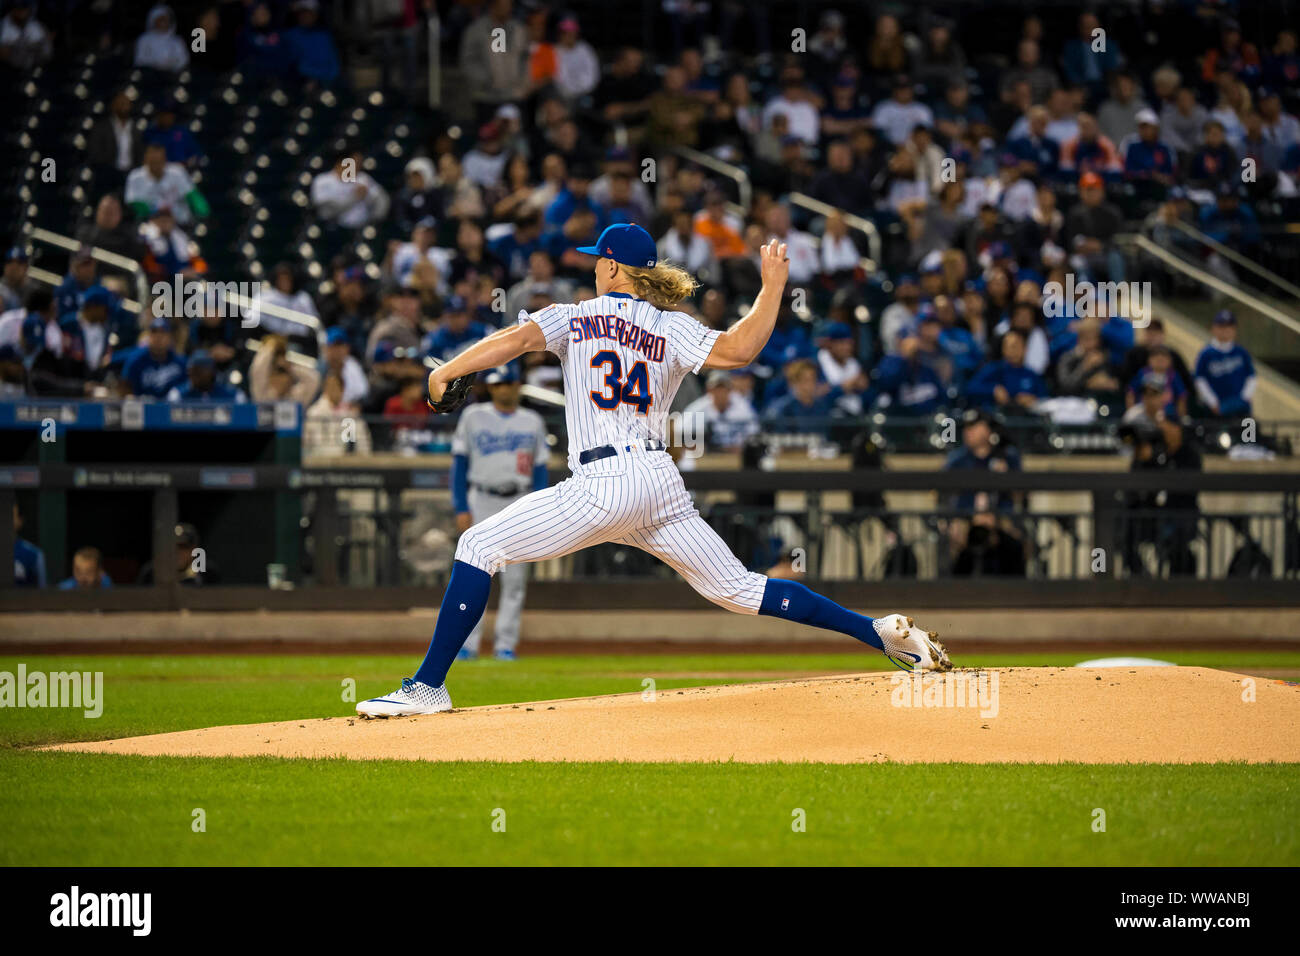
(241,529)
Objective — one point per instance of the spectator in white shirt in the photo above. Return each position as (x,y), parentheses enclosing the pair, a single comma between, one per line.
(795,102)
(159,47)
(896,116)
(839,254)
(419,264)
(683,245)
(721,416)
(804,261)
(347,195)
(577,68)
(485,164)
(839,366)
(158,183)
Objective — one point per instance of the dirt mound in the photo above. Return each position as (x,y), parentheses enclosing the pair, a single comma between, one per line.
(1031,714)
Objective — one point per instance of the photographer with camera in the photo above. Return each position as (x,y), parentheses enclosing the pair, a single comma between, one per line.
(983,536)
(1164,519)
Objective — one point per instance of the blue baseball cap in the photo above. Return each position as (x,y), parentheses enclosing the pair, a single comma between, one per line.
(501,375)
(336,336)
(202,358)
(97,295)
(160,323)
(16,254)
(838,330)
(626,243)
(1225,317)
(454,303)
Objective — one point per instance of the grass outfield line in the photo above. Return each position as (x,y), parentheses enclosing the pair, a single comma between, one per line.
(86,809)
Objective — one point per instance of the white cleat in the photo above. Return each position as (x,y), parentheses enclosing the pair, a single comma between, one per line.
(909,646)
(413,697)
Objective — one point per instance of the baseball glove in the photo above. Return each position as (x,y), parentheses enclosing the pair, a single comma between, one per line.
(454,395)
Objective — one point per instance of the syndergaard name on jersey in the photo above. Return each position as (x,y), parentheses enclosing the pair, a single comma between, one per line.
(623,361)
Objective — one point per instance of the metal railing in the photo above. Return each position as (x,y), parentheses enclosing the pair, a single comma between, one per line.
(744,189)
(1272,278)
(857,223)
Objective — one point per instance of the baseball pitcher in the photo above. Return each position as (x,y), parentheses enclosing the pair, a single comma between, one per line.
(624,354)
(498,455)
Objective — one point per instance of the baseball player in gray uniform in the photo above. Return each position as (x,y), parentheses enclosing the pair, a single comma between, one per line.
(499,454)
(624,353)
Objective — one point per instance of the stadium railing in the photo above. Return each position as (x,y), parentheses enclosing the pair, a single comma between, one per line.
(384,536)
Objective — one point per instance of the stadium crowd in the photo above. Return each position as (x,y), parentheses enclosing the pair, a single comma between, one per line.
(986,186)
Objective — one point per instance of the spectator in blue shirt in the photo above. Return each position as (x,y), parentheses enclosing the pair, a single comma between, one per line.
(311,48)
(1038,153)
(1146,158)
(203,384)
(29,560)
(155,369)
(176,139)
(521,240)
(1225,373)
(87,572)
(982,449)
(1090,57)
(1230,221)
(905,385)
(1007,381)
(790,340)
(575,195)
(456,331)
(263,49)
(806,404)
(81,276)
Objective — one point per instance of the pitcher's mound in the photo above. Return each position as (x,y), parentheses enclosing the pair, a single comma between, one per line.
(1031,714)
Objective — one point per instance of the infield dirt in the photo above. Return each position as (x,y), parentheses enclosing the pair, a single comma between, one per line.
(1022,714)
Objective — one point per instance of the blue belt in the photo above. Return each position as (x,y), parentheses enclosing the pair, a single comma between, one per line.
(608,451)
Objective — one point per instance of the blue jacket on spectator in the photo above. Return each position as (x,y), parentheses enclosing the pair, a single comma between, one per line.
(1085,66)
(1232,227)
(154,377)
(179,142)
(444,344)
(787,342)
(70,584)
(1143,159)
(964,458)
(313,54)
(1016,379)
(1226,372)
(1118,336)
(906,387)
(1040,150)
(785,413)
(966,353)
(29,564)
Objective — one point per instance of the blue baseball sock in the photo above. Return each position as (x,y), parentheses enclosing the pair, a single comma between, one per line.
(790,599)
(462,605)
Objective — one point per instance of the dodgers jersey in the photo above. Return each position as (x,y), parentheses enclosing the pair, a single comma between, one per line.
(623,361)
(501,449)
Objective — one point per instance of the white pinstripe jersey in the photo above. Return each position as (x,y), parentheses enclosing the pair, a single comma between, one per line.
(623,362)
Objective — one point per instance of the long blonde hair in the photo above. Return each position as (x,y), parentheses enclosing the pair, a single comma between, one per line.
(663,286)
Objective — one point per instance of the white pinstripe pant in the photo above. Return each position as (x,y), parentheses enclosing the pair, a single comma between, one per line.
(635,498)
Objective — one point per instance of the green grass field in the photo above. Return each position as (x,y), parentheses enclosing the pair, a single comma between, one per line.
(84,809)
